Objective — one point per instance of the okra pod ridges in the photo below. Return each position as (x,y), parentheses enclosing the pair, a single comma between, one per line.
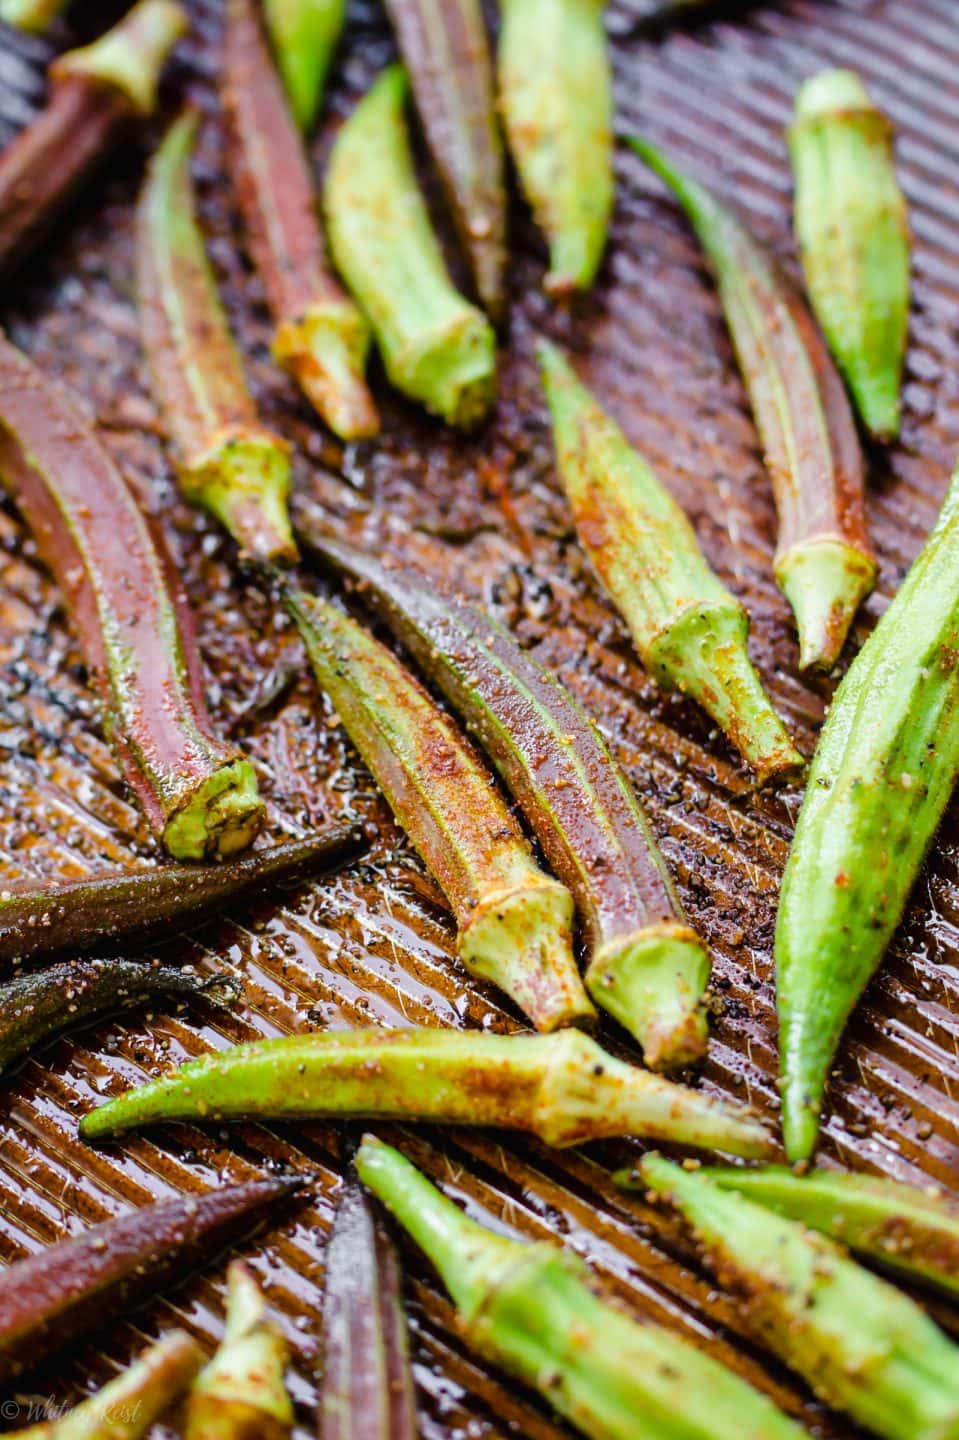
(562,1087)
(304,35)
(34,16)
(129,57)
(862,1345)
(227,460)
(437,347)
(556,97)
(852,225)
(689,630)
(514,921)
(532,1309)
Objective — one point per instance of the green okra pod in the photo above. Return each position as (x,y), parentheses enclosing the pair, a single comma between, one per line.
(556,96)
(514,921)
(824,564)
(241,1394)
(646,965)
(304,35)
(227,460)
(561,1087)
(436,346)
(690,632)
(853,232)
(532,1309)
(862,1346)
(883,771)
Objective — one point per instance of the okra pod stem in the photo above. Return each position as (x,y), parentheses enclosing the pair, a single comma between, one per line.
(561,1087)
(241,1394)
(824,564)
(94,94)
(444,46)
(437,347)
(304,35)
(227,460)
(556,96)
(690,632)
(883,771)
(198,794)
(853,232)
(68,1290)
(367,1385)
(862,1346)
(532,1309)
(514,921)
(647,967)
(320,337)
(32,15)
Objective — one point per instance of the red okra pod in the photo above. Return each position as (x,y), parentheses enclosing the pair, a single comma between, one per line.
(647,966)
(321,337)
(199,795)
(94,94)
(824,563)
(65,1291)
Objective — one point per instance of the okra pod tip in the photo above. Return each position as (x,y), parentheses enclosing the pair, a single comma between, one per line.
(129,57)
(825,582)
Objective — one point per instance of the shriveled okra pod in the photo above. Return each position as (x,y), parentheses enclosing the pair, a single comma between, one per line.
(320,338)
(436,347)
(556,94)
(824,564)
(241,1394)
(853,231)
(33,15)
(227,460)
(94,94)
(199,795)
(883,771)
(914,1232)
(862,1345)
(367,1387)
(127,1408)
(446,51)
(532,1309)
(646,965)
(515,922)
(689,630)
(561,1087)
(304,35)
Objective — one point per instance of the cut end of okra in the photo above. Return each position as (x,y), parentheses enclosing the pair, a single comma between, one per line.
(130,57)
(453,372)
(653,984)
(829,91)
(244,480)
(825,582)
(34,16)
(325,351)
(223,816)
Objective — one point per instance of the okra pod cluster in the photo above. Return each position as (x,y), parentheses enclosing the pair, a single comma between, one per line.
(561,1087)
(853,232)
(304,35)
(514,921)
(689,630)
(437,347)
(824,564)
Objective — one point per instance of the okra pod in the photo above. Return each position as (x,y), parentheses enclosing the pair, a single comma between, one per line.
(32,15)
(883,771)
(304,35)
(861,1345)
(127,1408)
(78,914)
(444,45)
(556,97)
(853,232)
(227,460)
(367,1385)
(241,1394)
(37,1006)
(437,347)
(824,564)
(690,632)
(320,337)
(514,921)
(911,1231)
(198,794)
(94,94)
(532,1308)
(561,1087)
(67,1290)
(647,967)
